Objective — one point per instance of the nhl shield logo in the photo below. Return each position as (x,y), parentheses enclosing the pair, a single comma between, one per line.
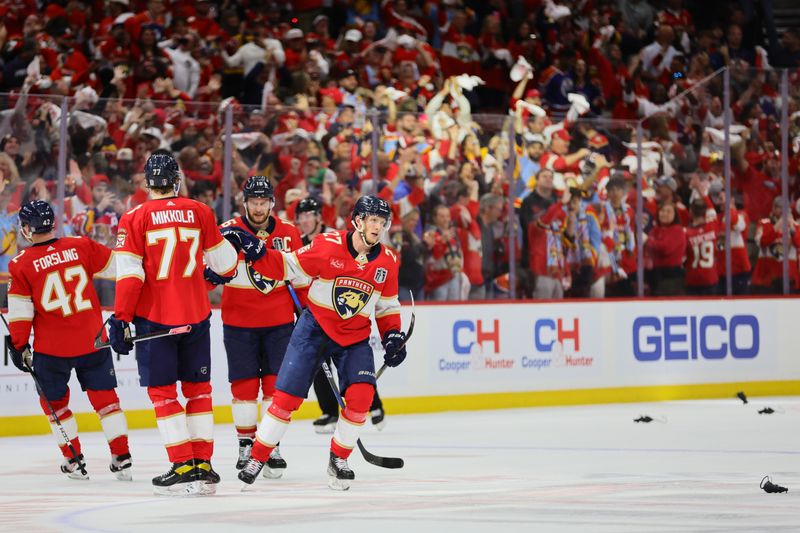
(262,284)
(350,295)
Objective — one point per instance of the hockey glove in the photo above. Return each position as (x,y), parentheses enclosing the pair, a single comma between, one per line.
(22,359)
(394,342)
(234,236)
(246,242)
(119,335)
(216,279)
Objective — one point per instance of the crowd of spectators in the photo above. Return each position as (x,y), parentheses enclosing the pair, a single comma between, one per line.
(433,105)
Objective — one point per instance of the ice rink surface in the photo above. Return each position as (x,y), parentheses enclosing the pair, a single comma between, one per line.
(589,468)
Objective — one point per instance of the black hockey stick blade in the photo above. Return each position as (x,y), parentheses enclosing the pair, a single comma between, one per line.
(180,330)
(371,458)
(383,462)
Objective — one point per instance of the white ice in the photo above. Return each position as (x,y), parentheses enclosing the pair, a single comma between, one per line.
(548,469)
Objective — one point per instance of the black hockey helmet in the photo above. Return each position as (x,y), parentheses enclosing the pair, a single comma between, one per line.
(38,216)
(161,169)
(258,187)
(372,205)
(308,205)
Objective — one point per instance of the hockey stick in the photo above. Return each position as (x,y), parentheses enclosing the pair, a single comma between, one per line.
(179,330)
(61,429)
(377,460)
(408,335)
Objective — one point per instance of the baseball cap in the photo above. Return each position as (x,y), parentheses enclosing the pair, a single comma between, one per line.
(716,187)
(294,33)
(353,35)
(562,134)
(667,181)
(99,178)
(347,73)
(125,154)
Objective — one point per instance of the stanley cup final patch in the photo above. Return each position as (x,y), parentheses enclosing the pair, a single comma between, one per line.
(350,295)
(380,275)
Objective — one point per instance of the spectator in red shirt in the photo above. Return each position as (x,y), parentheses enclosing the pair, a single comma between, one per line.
(666,246)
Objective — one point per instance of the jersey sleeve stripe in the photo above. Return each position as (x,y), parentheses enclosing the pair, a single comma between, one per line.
(293,268)
(19,308)
(129,266)
(222,258)
(109,271)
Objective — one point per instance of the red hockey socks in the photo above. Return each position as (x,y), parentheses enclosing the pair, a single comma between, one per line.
(274,424)
(357,398)
(199,418)
(112,419)
(171,422)
(68,422)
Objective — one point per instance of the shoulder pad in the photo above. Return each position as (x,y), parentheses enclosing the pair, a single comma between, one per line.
(288,223)
(16,257)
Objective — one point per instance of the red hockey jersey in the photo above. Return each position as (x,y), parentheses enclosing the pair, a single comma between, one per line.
(769,265)
(701,271)
(246,296)
(344,293)
(51,290)
(159,254)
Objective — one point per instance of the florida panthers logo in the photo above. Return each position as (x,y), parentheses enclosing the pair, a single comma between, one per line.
(350,295)
(262,284)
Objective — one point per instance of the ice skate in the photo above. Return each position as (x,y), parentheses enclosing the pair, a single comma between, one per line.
(180,480)
(206,476)
(339,473)
(275,464)
(121,467)
(72,468)
(250,472)
(326,424)
(245,447)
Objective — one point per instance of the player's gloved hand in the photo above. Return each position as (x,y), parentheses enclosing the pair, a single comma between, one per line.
(119,335)
(216,279)
(23,358)
(234,236)
(252,247)
(246,242)
(394,343)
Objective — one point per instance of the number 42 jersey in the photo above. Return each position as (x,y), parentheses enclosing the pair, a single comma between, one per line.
(51,290)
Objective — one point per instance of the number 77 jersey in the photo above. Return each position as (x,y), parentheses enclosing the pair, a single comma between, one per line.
(159,253)
(51,290)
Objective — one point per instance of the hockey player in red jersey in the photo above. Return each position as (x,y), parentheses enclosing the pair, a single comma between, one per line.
(701,235)
(309,221)
(51,291)
(255,340)
(354,277)
(159,254)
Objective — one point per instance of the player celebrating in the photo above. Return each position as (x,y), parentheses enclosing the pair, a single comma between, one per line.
(159,253)
(309,218)
(255,341)
(353,276)
(51,291)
